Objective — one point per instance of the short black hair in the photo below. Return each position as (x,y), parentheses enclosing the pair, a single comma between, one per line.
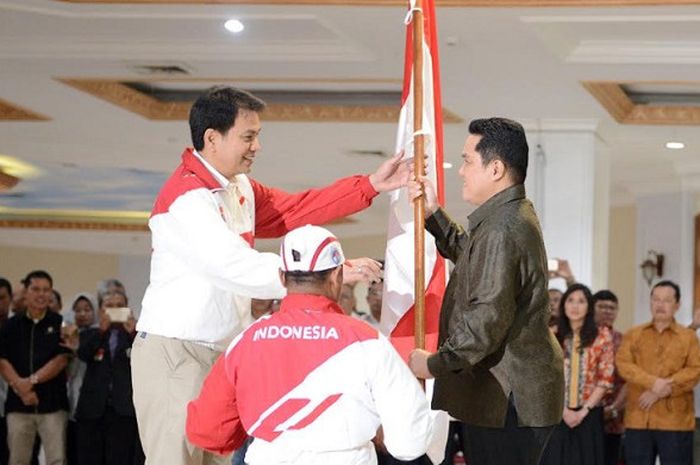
(671,284)
(4,283)
(37,274)
(502,139)
(307,277)
(217,109)
(604,294)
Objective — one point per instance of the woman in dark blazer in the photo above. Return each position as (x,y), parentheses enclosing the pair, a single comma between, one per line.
(107,431)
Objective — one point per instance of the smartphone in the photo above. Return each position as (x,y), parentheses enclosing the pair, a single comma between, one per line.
(119,314)
(552,264)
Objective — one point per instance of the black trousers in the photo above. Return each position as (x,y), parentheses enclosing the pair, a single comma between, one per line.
(455,443)
(72,443)
(673,447)
(613,448)
(386,459)
(510,445)
(110,440)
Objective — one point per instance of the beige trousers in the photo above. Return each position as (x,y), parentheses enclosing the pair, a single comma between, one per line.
(22,429)
(167,373)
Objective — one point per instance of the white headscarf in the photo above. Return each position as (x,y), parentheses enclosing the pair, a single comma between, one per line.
(68,313)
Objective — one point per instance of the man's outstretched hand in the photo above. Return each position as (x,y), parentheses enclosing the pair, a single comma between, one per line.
(392,174)
(361,269)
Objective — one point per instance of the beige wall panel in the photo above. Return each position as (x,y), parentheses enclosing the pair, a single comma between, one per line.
(72,272)
(621,263)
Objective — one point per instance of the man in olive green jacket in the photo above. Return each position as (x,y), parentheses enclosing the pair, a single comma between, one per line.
(498,368)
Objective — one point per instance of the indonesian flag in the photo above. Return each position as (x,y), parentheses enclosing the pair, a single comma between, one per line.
(398,301)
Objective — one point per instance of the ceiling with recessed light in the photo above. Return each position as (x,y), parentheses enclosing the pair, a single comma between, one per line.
(99,151)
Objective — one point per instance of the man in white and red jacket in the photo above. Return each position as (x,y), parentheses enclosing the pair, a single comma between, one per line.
(309,383)
(204,269)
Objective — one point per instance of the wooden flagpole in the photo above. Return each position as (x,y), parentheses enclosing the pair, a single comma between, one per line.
(418,169)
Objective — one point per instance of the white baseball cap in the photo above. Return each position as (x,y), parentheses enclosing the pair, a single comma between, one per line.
(310,248)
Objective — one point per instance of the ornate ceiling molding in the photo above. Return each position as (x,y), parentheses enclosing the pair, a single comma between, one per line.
(11,112)
(114,91)
(7,181)
(614,99)
(444,3)
(76,225)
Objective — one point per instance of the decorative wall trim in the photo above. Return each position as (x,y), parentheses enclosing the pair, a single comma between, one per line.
(11,112)
(444,3)
(92,220)
(78,225)
(99,220)
(137,102)
(614,99)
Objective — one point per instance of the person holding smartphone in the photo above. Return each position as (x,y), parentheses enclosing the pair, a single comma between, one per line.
(107,431)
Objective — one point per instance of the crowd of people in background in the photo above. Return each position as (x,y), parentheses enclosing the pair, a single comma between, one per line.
(629,398)
(66,375)
(66,393)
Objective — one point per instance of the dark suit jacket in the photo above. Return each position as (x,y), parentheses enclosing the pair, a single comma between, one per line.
(106,379)
(494,338)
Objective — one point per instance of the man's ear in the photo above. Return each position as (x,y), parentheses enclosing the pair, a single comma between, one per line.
(498,169)
(335,283)
(211,137)
(337,275)
(283,278)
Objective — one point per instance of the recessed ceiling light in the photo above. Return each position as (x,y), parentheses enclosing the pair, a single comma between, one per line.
(234,25)
(675,145)
(447,165)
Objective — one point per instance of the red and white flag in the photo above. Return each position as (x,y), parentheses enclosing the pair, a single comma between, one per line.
(398,300)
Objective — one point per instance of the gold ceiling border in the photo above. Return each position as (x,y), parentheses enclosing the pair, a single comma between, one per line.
(95,225)
(115,92)
(40,223)
(88,220)
(73,225)
(11,112)
(439,3)
(614,99)
(95,220)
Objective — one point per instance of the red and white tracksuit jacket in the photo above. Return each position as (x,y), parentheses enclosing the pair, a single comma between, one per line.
(203,267)
(312,386)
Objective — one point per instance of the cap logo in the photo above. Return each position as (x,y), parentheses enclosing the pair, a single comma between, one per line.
(335,256)
(296,256)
